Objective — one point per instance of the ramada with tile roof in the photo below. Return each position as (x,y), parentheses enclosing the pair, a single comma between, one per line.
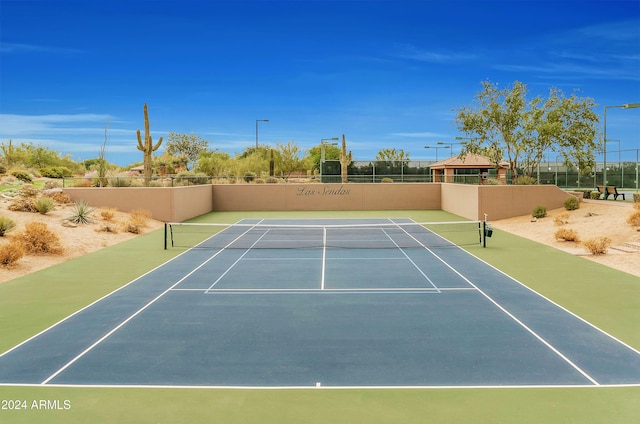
(456,168)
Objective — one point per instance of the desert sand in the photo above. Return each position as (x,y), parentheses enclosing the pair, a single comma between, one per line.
(594,219)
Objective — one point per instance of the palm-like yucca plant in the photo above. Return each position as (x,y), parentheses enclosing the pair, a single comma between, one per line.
(81,213)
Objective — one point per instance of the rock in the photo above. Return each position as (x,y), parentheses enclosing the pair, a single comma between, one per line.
(69,224)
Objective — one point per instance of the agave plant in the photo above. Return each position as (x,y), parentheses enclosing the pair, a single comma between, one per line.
(81,213)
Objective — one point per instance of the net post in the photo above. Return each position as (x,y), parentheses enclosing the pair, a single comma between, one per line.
(165,236)
(484,231)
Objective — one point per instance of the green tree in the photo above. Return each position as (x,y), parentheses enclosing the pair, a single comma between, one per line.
(287,159)
(214,163)
(504,125)
(392,155)
(187,145)
(251,160)
(314,155)
(9,152)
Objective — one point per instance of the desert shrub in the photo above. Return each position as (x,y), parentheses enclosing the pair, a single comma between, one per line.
(634,218)
(60,197)
(249,177)
(81,213)
(55,172)
(132,227)
(492,181)
(561,219)
(597,246)
(539,212)
(595,195)
(566,234)
(192,178)
(3,169)
(44,205)
(140,217)
(259,181)
(571,203)
(48,185)
(6,224)
(22,176)
(270,180)
(23,204)
(119,182)
(38,239)
(108,227)
(29,191)
(108,213)
(10,253)
(386,180)
(525,180)
(84,182)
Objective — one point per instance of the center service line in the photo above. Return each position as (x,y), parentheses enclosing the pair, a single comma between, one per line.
(324,256)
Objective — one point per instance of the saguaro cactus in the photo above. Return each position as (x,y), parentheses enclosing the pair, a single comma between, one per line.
(271,164)
(345,161)
(147,148)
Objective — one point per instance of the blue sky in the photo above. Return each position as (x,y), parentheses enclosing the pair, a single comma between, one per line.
(387,74)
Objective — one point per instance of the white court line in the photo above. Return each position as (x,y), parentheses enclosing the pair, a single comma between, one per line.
(337,290)
(410,260)
(250,291)
(314,387)
(324,256)
(237,260)
(93,303)
(560,306)
(510,315)
(107,335)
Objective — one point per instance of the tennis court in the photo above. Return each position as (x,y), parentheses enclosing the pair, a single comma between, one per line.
(323,303)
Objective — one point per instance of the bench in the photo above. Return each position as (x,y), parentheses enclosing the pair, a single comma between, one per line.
(602,191)
(612,190)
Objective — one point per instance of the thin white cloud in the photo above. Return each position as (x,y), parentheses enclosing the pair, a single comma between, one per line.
(572,70)
(9,48)
(79,135)
(431,56)
(14,125)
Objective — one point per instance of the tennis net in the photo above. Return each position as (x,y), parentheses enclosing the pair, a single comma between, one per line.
(370,235)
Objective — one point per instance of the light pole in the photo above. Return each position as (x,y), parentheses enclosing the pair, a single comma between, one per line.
(604,167)
(615,141)
(465,140)
(435,147)
(323,143)
(450,146)
(259,120)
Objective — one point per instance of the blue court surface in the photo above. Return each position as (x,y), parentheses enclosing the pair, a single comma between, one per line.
(267,305)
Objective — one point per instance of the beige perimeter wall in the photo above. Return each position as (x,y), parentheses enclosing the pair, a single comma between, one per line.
(282,197)
(469,201)
(165,204)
